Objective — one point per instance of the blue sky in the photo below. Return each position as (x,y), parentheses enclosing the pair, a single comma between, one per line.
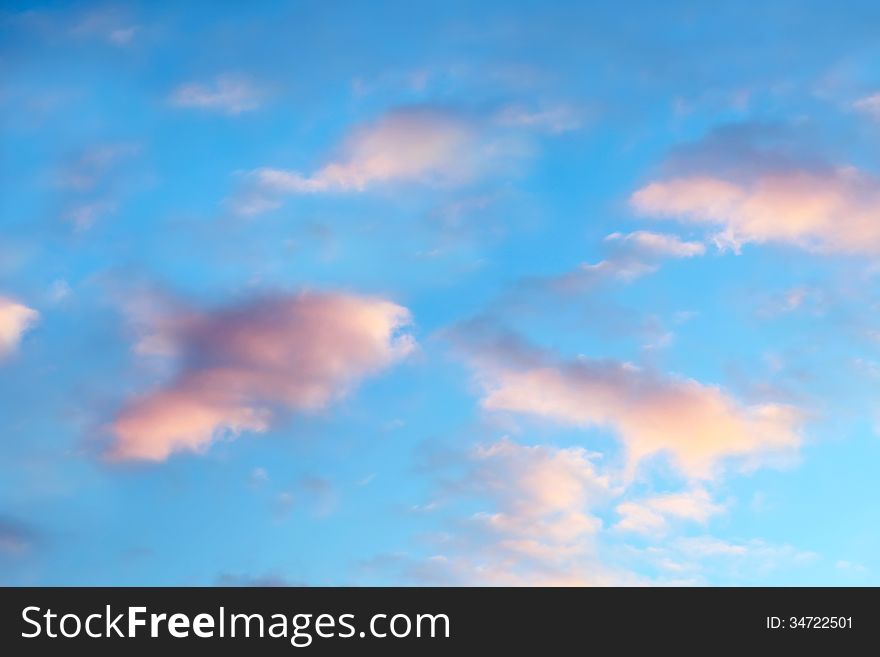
(439,293)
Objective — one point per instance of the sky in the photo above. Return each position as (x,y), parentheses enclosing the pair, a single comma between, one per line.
(439,293)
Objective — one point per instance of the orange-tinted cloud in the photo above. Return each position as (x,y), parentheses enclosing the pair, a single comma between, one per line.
(694,424)
(403,145)
(298,352)
(416,145)
(752,192)
(15,320)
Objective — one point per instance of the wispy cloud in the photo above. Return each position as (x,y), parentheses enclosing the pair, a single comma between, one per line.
(227,94)
(111,26)
(92,181)
(652,515)
(869,106)
(629,256)
(413,145)
(555,119)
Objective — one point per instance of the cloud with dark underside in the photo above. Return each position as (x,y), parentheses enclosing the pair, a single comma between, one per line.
(752,186)
(697,425)
(237,365)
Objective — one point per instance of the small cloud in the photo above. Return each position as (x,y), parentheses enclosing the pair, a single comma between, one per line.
(15,320)
(93,180)
(83,216)
(93,165)
(122,36)
(651,516)
(555,119)
(630,256)
(228,94)
(109,26)
(869,106)
(259,476)
(657,244)
(59,290)
(851,567)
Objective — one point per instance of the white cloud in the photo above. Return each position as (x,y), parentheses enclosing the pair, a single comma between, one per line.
(228,94)
(555,119)
(652,515)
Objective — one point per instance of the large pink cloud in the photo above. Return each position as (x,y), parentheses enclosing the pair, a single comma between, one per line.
(236,365)
(696,425)
(751,191)
(15,320)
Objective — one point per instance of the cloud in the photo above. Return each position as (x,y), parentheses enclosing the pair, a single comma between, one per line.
(698,558)
(110,26)
(534,524)
(94,180)
(15,320)
(695,424)
(651,516)
(228,94)
(555,119)
(766,194)
(657,244)
(869,105)
(238,364)
(630,256)
(416,145)
(540,494)
(92,166)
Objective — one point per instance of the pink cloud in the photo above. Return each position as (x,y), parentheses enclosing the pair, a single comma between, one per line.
(236,365)
(420,145)
(404,145)
(818,208)
(15,320)
(695,424)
